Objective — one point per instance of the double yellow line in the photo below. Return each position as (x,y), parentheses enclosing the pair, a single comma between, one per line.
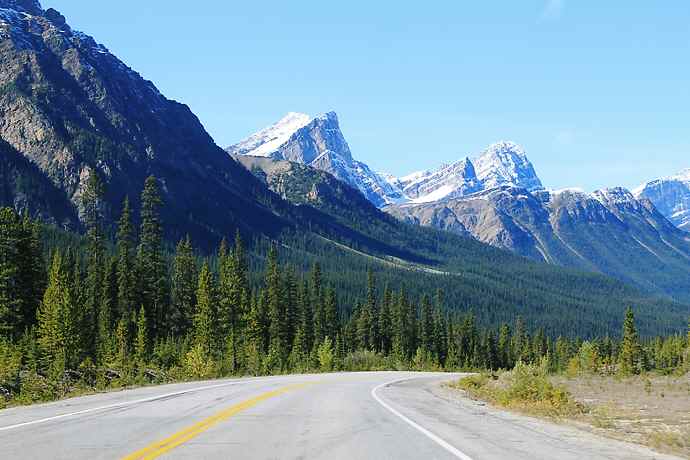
(158,448)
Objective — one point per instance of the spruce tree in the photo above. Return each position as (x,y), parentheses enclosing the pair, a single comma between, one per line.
(317,305)
(185,277)
(330,308)
(505,360)
(57,330)
(630,358)
(126,276)
(92,202)
(106,314)
(31,280)
(276,309)
(151,266)
(385,321)
(373,311)
(11,309)
(426,326)
(141,345)
(205,334)
(307,318)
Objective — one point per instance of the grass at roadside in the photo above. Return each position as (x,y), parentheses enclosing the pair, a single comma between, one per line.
(652,410)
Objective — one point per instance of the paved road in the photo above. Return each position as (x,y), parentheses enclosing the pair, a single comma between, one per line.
(377,415)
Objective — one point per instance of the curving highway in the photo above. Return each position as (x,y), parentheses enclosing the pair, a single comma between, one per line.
(372,415)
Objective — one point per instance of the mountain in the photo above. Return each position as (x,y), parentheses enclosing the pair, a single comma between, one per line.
(671,196)
(502,163)
(448,181)
(608,231)
(317,142)
(70,108)
(494,283)
(506,163)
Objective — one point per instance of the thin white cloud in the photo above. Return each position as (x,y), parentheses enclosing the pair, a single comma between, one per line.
(553,10)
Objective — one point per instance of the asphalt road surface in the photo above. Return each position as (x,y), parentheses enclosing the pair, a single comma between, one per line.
(374,415)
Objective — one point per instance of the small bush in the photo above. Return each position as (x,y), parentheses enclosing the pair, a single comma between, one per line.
(197,364)
(365,361)
(526,388)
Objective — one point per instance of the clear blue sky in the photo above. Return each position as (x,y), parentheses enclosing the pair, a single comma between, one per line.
(597,92)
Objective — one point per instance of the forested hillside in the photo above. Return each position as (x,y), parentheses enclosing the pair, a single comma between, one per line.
(91,312)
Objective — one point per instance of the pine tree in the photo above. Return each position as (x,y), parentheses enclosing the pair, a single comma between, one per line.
(373,312)
(317,305)
(57,332)
(106,314)
(141,346)
(233,308)
(276,311)
(385,321)
(126,281)
(439,336)
(185,277)
(31,281)
(150,262)
(426,326)
(122,343)
(92,202)
(630,358)
(330,307)
(307,318)
(505,360)
(11,309)
(290,307)
(363,320)
(205,333)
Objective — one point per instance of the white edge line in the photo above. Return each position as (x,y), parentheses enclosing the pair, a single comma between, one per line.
(457,453)
(114,405)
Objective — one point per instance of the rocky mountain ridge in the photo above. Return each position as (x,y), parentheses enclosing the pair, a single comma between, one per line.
(671,196)
(319,142)
(71,108)
(608,231)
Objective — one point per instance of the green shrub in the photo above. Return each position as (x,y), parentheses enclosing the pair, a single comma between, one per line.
(526,388)
(365,361)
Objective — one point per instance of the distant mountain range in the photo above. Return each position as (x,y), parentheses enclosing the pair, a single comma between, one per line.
(497,198)
(69,109)
(319,142)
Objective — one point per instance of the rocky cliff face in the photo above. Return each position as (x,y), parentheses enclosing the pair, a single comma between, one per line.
(506,163)
(608,231)
(317,142)
(449,181)
(71,108)
(671,196)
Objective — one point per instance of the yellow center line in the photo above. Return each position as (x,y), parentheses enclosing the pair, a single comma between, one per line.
(158,448)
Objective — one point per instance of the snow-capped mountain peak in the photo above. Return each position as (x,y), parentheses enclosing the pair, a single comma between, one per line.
(671,196)
(613,195)
(28,6)
(318,142)
(506,163)
(267,141)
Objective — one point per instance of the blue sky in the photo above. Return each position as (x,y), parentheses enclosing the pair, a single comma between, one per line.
(596,92)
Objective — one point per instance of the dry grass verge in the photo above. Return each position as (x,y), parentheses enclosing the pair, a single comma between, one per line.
(651,410)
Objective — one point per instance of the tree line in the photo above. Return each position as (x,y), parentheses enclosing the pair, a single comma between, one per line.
(114,313)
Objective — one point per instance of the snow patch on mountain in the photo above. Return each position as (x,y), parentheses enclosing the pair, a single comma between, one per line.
(671,196)
(267,141)
(506,163)
(319,142)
